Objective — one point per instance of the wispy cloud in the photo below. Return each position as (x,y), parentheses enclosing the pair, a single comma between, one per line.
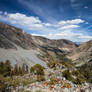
(75,21)
(76,4)
(41,9)
(69,27)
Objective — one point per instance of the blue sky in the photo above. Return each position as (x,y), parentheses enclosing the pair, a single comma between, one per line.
(54,19)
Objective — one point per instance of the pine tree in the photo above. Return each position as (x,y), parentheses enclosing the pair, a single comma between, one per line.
(16,69)
(20,70)
(5,68)
(2,70)
(23,68)
(27,69)
(8,67)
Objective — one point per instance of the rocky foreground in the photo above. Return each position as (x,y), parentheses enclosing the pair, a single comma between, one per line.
(59,87)
(62,85)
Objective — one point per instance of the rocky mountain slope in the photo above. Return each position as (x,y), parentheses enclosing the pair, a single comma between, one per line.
(21,47)
(82,54)
(11,36)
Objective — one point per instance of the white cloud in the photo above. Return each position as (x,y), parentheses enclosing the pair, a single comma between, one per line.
(68,27)
(5,13)
(47,24)
(75,21)
(86,7)
(28,22)
(34,23)
(38,35)
(69,24)
(23,17)
(86,23)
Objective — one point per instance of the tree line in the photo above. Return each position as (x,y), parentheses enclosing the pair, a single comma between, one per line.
(6,69)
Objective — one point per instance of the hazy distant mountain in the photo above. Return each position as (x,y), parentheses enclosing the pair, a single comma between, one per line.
(78,43)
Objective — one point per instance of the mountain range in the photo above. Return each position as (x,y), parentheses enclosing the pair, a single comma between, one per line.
(21,47)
